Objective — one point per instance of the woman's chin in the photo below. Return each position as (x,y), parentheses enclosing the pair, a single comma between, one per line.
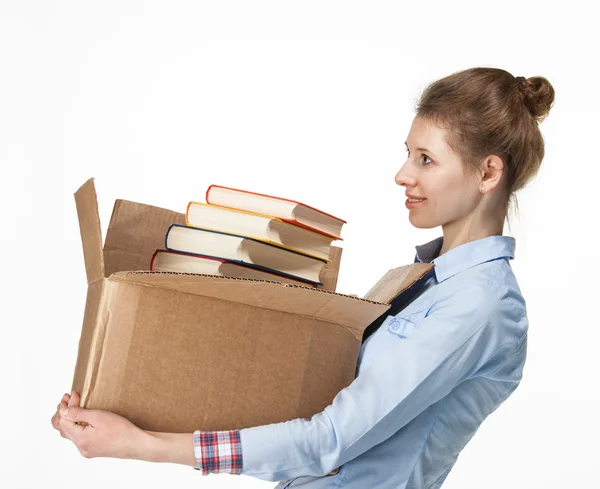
(421,222)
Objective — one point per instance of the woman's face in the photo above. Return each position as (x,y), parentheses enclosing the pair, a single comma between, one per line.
(433,175)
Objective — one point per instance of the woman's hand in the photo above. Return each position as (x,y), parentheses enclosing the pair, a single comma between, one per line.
(106,434)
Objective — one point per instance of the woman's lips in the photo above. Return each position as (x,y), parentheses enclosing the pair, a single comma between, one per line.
(411,203)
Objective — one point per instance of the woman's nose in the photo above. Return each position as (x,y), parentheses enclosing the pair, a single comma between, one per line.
(404,177)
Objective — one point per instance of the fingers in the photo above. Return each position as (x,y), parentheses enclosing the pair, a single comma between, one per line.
(68,419)
(56,416)
(75,399)
(67,400)
(75,414)
(62,403)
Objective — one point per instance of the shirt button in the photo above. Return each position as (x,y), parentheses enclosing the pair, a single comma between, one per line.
(394,324)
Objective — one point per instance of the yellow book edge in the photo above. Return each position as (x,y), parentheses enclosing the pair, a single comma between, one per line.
(231,209)
(262,240)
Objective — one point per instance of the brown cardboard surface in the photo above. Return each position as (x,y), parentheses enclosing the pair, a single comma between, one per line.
(329,273)
(347,311)
(134,233)
(89,226)
(89,346)
(174,361)
(179,352)
(396,281)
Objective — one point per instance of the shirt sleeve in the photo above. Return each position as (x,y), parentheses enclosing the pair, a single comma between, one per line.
(218,452)
(459,335)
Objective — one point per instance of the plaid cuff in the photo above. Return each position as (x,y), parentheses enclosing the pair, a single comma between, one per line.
(218,452)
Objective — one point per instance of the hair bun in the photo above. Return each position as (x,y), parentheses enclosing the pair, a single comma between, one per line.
(538,95)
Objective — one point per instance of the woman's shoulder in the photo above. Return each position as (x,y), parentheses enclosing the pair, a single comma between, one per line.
(485,290)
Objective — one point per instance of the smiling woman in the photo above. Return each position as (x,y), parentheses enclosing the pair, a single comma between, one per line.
(474,142)
(432,372)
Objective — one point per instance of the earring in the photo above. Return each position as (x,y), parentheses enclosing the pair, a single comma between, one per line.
(482,188)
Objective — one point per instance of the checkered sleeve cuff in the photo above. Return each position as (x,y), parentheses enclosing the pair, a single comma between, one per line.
(218,452)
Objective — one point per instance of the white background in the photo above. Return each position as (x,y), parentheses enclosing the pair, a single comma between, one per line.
(307,100)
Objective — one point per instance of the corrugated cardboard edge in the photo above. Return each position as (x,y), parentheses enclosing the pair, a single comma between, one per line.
(343,310)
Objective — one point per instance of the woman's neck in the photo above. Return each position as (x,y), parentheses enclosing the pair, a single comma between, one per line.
(458,233)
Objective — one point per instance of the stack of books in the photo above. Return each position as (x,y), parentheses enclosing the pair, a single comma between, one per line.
(238,233)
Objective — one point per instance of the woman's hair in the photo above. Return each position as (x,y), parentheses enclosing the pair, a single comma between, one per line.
(489,111)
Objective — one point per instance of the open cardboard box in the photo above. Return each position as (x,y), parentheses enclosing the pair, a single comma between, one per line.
(179,352)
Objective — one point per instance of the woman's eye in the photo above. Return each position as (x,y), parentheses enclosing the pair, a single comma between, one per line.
(425,158)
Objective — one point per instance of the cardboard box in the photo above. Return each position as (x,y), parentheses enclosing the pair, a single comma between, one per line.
(179,352)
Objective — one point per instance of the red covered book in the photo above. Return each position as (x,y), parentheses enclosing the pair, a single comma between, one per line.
(285,209)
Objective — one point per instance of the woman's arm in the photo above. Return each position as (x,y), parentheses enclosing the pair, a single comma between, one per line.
(176,448)
(468,330)
(458,337)
(106,434)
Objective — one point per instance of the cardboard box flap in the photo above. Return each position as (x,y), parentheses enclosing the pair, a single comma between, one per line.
(135,231)
(352,313)
(396,281)
(89,228)
(329,273)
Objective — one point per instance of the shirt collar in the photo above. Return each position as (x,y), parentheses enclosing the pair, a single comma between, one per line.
(466,255)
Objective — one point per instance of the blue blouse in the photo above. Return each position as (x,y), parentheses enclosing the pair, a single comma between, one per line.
(426,380)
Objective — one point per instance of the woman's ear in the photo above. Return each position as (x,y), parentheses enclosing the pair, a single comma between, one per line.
(492,169)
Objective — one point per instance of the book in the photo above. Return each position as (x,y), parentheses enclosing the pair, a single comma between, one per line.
(258,226)
(287,210)
(244,250)
(175,261)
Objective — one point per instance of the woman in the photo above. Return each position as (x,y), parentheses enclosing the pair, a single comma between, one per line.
(429,375)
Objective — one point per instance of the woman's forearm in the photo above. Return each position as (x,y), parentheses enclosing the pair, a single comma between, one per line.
(177,448)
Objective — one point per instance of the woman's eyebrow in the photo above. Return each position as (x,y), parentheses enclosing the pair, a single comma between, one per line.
(425,150)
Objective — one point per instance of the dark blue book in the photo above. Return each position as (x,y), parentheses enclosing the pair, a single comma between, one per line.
(244,250)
